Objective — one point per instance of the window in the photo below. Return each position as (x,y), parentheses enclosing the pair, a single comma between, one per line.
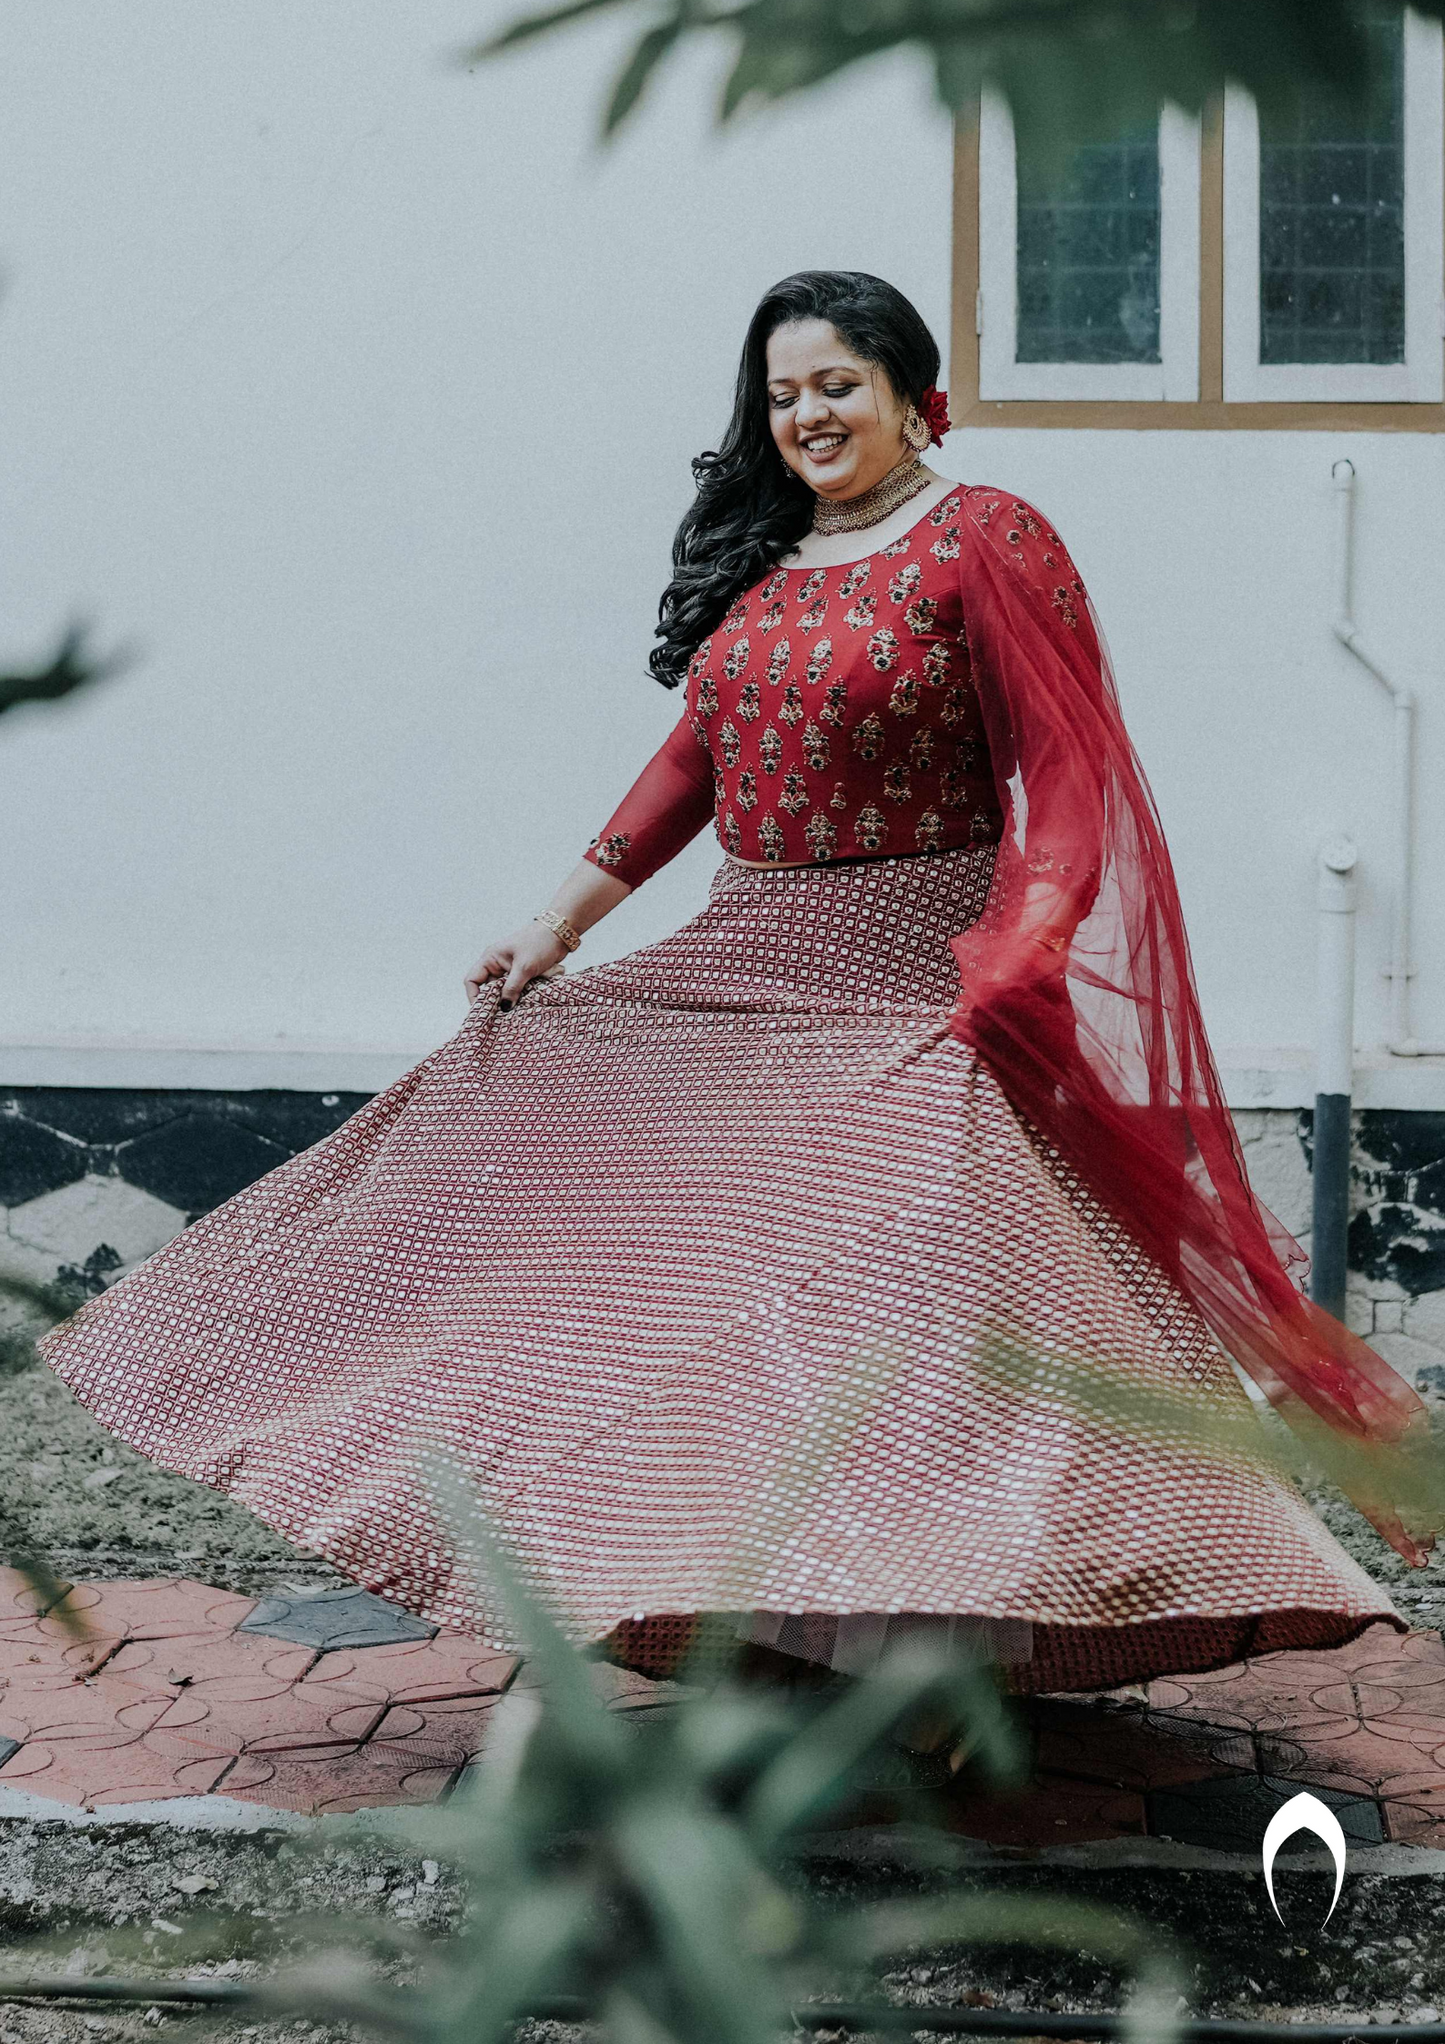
(1088,282)
(1266,271)
(1332,236)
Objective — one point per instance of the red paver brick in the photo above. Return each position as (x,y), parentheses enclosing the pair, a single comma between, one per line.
(443,1738)
(1048,1813)
(313,1783)
(421,1671)
(1417,1818)
(168,1608)
(1122,1751)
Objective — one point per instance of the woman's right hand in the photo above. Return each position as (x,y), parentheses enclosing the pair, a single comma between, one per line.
(519,959)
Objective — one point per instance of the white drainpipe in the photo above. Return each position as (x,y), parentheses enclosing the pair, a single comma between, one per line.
(1401,1042)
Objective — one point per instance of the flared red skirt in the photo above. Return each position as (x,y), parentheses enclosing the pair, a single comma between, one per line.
(730,1282)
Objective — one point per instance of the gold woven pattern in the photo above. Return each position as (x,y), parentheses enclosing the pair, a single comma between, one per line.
(692,1260)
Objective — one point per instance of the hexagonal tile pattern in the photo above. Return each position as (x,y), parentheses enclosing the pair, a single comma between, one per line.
(72,1222)
(174,1690)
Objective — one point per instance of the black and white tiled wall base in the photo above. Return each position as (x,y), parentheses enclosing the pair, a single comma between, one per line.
(1397,1230)
(94,1180)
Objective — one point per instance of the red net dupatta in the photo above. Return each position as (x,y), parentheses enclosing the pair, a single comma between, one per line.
(1078,993)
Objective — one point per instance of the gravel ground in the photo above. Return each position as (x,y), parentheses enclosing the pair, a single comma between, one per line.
(129,1899)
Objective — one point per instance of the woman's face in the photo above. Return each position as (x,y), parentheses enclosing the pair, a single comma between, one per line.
(836,419)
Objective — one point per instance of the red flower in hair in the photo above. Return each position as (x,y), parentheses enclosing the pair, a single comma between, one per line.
(934,407)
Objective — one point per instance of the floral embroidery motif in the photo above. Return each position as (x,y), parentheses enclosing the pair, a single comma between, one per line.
(883,649)
(1064,605)
(835,701)
(868,738)
(815,746)
(904,700)
(820,836)
(612,850)
(937,663)
(887,755)
(870,827)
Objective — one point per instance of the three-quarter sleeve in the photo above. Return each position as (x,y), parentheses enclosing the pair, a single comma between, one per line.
(664,809)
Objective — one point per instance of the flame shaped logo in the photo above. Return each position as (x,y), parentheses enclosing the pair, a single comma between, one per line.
(1304,1812)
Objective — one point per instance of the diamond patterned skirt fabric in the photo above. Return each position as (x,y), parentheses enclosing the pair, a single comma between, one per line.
(733,1284)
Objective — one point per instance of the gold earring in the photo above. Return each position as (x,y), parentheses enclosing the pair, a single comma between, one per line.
(915,430)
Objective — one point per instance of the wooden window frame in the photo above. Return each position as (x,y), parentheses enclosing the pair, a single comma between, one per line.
(1210,412)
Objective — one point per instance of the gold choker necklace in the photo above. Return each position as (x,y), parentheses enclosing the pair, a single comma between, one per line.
(872,506)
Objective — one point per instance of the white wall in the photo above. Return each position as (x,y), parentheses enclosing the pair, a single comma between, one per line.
(361,392)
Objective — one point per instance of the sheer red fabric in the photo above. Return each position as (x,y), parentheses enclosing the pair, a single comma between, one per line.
(1079,994)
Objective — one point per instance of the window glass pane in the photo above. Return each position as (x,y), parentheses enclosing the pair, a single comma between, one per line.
(1088,254)
(1332,221)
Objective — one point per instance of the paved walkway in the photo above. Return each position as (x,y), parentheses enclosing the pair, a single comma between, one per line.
(315,1703)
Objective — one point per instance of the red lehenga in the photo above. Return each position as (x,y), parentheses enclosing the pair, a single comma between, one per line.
(752,1274)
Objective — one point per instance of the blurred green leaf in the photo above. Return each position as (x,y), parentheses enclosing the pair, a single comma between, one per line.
(72,667)
(1071,70)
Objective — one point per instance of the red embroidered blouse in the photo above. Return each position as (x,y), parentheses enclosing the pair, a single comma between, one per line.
(831,715)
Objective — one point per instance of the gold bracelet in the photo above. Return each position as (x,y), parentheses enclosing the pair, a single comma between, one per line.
(559,926)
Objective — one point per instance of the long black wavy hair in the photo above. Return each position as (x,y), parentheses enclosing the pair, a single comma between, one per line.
(750,510)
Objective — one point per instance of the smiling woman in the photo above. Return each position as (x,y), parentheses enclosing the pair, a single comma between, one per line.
(800,1273)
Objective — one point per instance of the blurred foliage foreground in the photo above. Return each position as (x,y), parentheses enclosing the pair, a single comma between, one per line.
(642,1870)
(1076,69)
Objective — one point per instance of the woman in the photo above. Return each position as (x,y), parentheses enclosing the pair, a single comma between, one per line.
(772,1270)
